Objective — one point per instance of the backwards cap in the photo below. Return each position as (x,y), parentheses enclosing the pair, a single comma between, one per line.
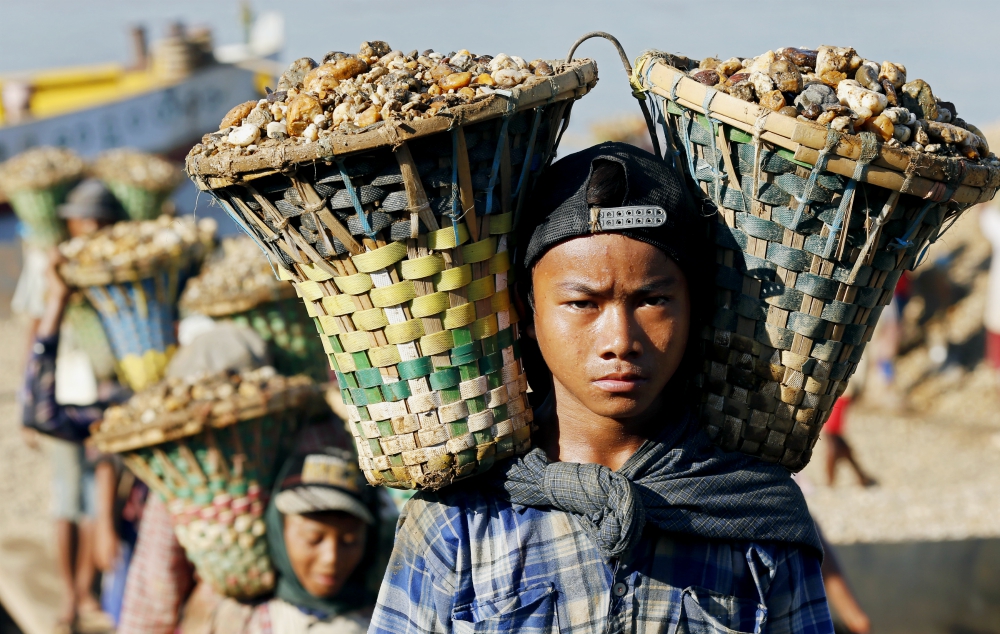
(656,208)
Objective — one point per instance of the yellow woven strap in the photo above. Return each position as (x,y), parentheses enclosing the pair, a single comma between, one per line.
(481,288)
(419,268)
(435,343)
(329,324)
(404,332)
(311,309)
(445,238)
(502,223)
(454,278)
(459,316)
(354,284)
(371,319)
(285,275)
(315,273)
(479,251)
(384,356)
(499,263)
(394,294)
(427,305)
(339,305)
(380,258)
(355,341)
(311,291)
(345,361)
(327,346)
(500,301)
(485,327)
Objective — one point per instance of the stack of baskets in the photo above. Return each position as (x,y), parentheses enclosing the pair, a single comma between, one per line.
(211,448)
(141,182)
(814,230)
(238,284)
(36,183)
(396,237)
(133,273)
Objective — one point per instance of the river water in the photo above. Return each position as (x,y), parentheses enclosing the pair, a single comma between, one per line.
(949,44)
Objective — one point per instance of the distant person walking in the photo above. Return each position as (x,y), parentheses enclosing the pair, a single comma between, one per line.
(989,220)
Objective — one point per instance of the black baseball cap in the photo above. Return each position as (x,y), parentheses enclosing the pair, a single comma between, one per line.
(656,207)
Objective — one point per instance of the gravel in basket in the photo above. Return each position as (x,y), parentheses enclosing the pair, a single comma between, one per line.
(815,227)
(132,273)
(237,283)
(211,446)
(395,235)
(36,183)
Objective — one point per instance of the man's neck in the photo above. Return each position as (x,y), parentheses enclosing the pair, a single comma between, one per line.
(573,433)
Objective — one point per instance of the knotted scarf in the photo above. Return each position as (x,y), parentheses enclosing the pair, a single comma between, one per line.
(680,482)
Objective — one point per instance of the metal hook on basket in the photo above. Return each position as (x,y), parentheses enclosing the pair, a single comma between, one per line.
(628,71)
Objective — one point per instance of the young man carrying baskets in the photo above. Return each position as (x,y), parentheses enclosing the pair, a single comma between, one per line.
(624,518)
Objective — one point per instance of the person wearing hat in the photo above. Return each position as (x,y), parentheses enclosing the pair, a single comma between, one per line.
(69,380)
(624,517)
(329,533)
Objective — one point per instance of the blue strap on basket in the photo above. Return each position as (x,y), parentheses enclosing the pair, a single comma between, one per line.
(832,139)
(718,177)
(456,211)
(238,219)
(522,181)
(495,168)
(355,201)
(869,150)
(939,194)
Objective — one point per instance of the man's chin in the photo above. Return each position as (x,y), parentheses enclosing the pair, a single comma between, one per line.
(621,407)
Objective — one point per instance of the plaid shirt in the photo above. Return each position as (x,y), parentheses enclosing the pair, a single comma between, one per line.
(466,561)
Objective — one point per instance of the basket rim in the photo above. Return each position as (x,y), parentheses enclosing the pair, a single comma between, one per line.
(572,80)
(979,183)
(300,392)
(80,276)
(213,307)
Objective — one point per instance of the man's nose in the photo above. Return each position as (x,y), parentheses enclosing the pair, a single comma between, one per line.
(617,333)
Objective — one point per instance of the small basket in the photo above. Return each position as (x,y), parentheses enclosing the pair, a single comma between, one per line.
(137,302)
(409,290)
(247,293)
(214,463)
(36,183)
(141,182)
(810,246)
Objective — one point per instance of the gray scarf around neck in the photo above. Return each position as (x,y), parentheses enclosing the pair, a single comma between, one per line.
(681,482)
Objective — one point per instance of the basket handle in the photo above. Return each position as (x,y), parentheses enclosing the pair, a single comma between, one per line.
(628,71)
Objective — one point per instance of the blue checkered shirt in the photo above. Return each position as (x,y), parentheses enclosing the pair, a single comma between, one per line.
(468,561)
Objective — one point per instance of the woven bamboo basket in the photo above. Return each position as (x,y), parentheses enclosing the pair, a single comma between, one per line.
(229,287)
(36,183)
(814,230)
(137,302)
(396,238)
(214,463)
(141,182)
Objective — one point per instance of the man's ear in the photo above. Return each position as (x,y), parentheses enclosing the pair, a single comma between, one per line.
(527,315)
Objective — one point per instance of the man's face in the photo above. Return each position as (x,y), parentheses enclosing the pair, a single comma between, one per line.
(84,226)
(612,316)
(324,549)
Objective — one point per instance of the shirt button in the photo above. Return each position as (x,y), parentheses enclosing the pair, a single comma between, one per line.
(619,589)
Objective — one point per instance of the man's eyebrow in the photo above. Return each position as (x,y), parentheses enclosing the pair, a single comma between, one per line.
(655,284)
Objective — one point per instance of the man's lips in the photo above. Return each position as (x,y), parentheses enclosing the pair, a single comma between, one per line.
(620,382)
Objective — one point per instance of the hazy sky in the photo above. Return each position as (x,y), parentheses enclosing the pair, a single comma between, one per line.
(945,43)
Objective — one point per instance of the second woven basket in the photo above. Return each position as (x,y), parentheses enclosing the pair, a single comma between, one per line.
(814,230)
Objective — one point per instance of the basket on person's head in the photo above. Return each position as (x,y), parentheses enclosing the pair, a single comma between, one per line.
(36,183)
(815,224)
(133,273)
(211,446)
(141,182)
(389,207)
(238,284)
